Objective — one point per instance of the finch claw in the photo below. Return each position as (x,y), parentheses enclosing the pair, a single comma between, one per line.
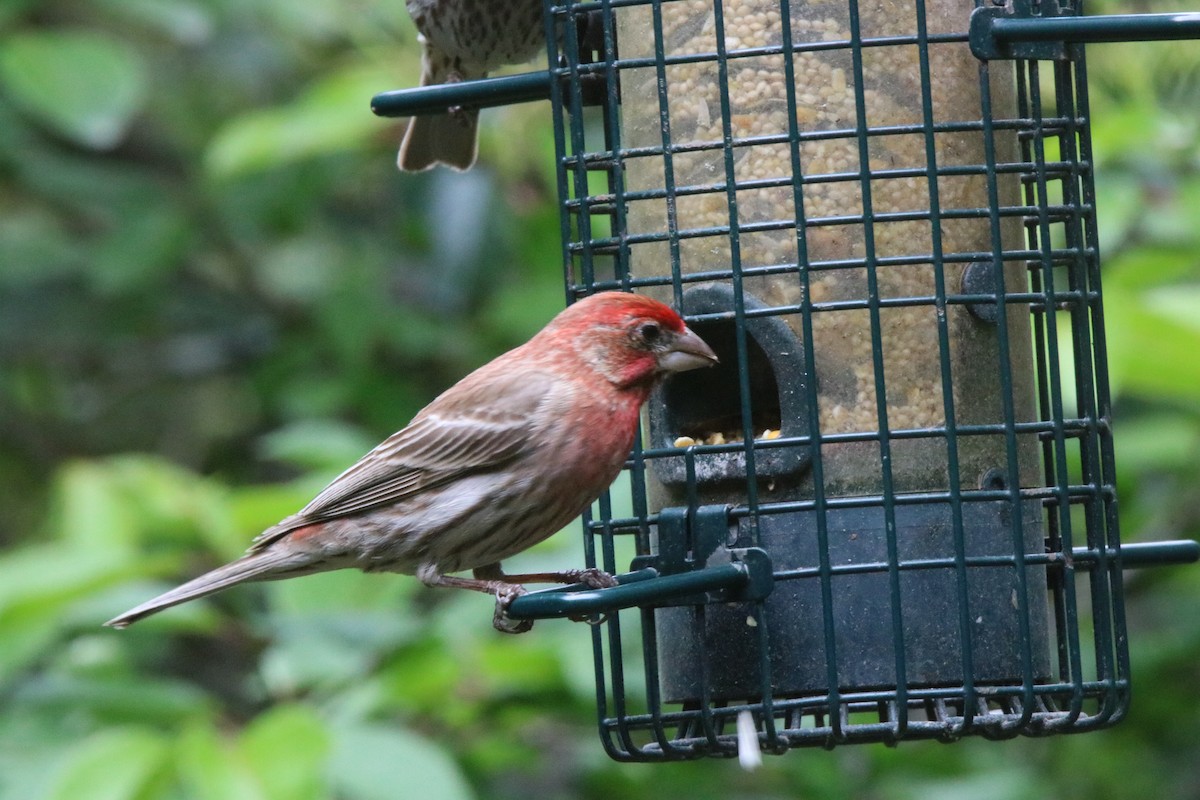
(502,623)
(595,579)
(501,620)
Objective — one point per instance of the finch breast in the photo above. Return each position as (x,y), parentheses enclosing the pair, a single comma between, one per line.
(481,35)
(534,499)
(472,522)
(485,518)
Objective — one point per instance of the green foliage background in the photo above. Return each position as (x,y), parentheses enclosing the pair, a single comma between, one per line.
(216,291)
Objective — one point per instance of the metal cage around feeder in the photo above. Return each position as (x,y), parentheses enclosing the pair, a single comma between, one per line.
(890,514)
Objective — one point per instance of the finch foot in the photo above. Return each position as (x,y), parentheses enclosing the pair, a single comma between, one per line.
(460,114)
(493,583)
(500,620)
(592,578)
(493,576)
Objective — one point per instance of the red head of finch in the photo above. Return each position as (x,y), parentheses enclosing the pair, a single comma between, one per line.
(497,463)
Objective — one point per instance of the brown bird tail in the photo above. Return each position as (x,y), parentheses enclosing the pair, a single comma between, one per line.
(450,139)
(262,565)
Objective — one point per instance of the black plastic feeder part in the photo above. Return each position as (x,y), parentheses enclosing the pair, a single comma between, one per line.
(718,652)
(693,404)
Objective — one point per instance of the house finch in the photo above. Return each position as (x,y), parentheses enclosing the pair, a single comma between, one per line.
(463,40)
(501,460)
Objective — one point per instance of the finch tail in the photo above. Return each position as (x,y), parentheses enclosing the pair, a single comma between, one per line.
(262,565)
(451,139)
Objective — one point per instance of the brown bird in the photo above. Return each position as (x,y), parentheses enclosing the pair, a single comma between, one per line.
(497,463)
(464,40)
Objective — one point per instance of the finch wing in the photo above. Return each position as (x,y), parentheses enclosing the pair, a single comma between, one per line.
(475,426)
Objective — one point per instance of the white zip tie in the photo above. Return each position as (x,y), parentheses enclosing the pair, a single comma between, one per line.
(749,753)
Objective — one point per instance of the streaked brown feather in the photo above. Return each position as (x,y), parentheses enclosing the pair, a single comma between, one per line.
(453,436)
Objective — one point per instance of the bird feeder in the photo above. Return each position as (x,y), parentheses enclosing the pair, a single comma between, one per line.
(890,513)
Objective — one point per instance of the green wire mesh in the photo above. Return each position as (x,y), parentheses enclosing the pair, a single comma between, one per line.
(944,549)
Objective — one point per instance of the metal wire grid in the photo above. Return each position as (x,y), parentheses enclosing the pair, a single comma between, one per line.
(1086,683)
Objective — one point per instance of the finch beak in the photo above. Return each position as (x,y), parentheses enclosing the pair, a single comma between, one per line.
(688,351)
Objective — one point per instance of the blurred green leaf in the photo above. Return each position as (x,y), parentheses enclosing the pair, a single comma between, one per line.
(515,668)
(141,251)
(519,310)
(118,764)
(331,629)
(1151,352)
(90,511)
(209,769)
(1180,304)
(35,247)
(317,444)
(424,677)
(1016,785)
(116,699)
(11,9)
(82,83)
(185,22)
(1134,271)
(305,660)
(287,748)
(1124,129)
(301,270)
(1120,202)
(118,503)
(331,116)
(1157,442)
(41,575)
(254,508)
(373,762)
(1174,209)
(37,586)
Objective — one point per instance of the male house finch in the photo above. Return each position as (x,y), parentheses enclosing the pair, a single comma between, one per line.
(463,40)
(501,460)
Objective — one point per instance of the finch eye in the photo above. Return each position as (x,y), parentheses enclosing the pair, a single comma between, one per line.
(650,332)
